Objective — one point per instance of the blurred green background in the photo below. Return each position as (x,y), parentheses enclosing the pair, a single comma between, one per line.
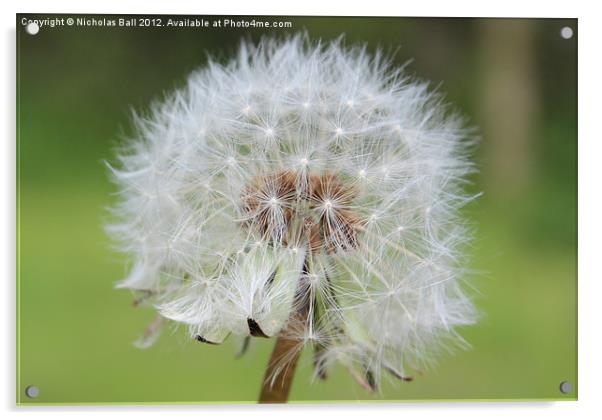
(515,79)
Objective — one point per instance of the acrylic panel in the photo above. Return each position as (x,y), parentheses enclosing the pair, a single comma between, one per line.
(232,209)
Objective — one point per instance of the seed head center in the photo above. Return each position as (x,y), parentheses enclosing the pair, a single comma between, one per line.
(301,210)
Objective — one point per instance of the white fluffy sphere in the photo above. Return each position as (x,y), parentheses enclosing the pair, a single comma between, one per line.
(303,179)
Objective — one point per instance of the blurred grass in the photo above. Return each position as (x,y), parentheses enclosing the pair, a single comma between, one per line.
(76,331)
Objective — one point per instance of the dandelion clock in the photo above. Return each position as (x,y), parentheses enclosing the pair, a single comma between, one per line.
(307,193)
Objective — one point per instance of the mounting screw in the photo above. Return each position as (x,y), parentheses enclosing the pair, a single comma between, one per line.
(566,32)
(32,391)
(32,28)
(566,387)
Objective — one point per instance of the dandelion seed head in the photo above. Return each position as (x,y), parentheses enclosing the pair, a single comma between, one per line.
(224,227)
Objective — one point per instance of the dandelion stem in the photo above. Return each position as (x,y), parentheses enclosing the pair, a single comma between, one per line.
(278,390)
(280,371)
